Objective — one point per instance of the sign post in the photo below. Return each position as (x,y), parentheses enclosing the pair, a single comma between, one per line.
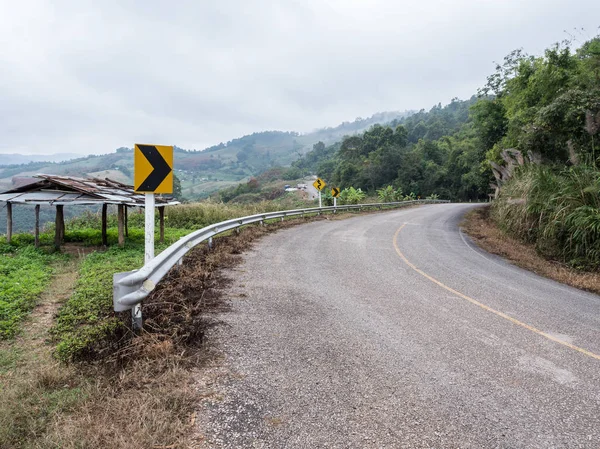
(152,173)
(319,184)
(335,192)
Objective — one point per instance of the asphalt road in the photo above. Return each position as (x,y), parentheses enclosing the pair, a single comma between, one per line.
(394,330)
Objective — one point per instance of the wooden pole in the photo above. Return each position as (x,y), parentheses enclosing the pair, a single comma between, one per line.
(161,215)
(126,222)
(9,221)
(120,218)
(59,232)
(104,237)
(37,225)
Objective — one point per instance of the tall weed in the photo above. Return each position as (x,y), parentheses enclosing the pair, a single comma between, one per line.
(557,209)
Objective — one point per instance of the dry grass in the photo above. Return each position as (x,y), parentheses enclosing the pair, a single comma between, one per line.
(150,403)
(482,229)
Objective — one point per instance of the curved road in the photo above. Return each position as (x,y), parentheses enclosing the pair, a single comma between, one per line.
(394,330)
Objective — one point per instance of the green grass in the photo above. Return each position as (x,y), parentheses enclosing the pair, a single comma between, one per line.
(86,325)
(24,274)
(86,322)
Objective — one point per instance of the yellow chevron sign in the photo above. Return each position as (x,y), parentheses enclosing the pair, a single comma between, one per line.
(153,168)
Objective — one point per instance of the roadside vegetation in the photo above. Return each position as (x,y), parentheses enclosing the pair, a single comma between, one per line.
(558,210)
(485,233)
(548,108)
(74,375)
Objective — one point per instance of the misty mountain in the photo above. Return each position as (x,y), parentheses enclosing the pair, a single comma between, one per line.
(17,159)
(201,171)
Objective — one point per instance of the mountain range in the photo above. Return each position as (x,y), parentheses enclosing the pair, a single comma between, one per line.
(201,172)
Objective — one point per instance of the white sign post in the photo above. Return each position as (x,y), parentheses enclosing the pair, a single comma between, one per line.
(149,203)
(152,173)
(320,199)
(149,228)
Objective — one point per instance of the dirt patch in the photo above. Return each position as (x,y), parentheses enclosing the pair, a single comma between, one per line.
(35,333)
(36,386)
(482,229)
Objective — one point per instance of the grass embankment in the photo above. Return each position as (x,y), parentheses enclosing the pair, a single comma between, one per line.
(488,235)
(555,209)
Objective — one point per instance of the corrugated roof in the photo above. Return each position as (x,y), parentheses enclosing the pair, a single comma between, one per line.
(61,190)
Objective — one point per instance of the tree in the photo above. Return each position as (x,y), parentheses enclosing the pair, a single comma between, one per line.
(177,194)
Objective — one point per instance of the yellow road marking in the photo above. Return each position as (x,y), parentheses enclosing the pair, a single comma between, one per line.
(489,309)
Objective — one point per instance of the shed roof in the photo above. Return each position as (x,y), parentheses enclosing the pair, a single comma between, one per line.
(63,190)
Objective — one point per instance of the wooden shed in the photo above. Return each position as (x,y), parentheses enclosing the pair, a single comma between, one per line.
(61,191)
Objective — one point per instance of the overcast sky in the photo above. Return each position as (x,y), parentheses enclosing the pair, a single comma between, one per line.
(91,76)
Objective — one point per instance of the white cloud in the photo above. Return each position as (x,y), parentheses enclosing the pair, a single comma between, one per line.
(83,76)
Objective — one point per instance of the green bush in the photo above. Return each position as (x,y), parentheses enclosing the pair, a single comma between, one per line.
(352,196)
(389,194)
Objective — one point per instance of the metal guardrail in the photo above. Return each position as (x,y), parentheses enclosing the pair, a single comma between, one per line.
(131,288)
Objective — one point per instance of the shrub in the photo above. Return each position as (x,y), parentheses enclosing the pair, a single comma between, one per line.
(352,196)
(557,209)
(388,194)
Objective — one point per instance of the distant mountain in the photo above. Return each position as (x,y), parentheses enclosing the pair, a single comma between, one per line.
(17,159)
(201,171)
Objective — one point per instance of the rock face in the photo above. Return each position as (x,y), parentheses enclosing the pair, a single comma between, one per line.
(512,158)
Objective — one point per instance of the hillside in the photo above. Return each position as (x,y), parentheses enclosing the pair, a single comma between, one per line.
(16,159)
(429,152)
(201,171)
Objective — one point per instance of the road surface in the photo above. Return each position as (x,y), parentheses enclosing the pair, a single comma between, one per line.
(394,330)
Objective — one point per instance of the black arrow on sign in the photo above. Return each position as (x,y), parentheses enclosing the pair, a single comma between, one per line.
(160,166)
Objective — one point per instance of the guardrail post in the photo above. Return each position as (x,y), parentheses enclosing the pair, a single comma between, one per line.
(210,242)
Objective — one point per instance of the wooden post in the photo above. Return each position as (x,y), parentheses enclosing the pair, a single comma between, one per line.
(104,236)
(126,223)
(59,224)
(161,215)
(37,225)
(120,218)
(9,221)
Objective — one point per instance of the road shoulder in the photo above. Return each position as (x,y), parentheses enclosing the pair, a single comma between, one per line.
(482,230)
